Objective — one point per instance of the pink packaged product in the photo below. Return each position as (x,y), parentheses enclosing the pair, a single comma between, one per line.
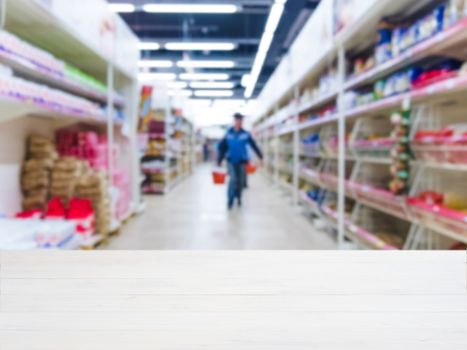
(447,145)
(86,145)
(121,180)
(438,216)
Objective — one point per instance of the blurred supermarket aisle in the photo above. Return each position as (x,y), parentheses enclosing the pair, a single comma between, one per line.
(194,216)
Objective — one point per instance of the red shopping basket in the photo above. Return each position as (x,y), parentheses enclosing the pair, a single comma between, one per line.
(250,168)
(219,177)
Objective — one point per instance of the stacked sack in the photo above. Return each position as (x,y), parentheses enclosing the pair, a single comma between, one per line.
(35,176)
(94,186)
(65,175)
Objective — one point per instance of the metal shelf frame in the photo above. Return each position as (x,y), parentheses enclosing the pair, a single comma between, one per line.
(269,130)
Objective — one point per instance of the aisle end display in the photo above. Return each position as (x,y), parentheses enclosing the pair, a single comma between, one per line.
(167,142)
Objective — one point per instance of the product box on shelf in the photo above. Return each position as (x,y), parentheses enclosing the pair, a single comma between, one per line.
(54,235)
(36,172)
(25,233)
(89,146)
(19,53)
(446,213)
(446,146)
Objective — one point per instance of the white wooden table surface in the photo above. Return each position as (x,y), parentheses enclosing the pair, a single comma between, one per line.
(233,300)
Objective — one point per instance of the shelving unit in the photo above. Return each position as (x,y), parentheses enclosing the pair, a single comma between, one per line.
(59,68)
(170,153)
(348,146)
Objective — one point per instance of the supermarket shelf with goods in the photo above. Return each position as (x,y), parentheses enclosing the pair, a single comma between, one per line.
(381,126)
(68,124)
(168,145)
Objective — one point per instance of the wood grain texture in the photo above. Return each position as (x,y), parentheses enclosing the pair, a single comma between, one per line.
(232,300)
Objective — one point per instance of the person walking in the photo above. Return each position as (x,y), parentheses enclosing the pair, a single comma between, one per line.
(234,147)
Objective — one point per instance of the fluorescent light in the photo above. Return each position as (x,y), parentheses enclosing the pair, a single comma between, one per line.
(212,85)
(149,46)
(206,64)
(184,93)
(155,64)
(199,46)
(187,8)
(266,40)
(156,76)
(204,76)
(177,85)
(274,18)
(214,93)
(122,8)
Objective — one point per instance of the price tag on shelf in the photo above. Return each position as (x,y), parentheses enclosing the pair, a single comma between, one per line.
(353,228)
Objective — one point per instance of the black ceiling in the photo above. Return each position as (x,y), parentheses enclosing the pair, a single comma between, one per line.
(244,28)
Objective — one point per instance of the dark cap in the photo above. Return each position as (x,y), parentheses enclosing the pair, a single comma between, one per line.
(238,116)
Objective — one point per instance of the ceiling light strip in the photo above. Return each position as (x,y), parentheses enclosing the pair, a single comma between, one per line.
(204,76)
(180,93)
(149,46)
(148,77)
(155,64)
(206,64)
(200,46)
(191,8)
(212,85)
(122,8)
(214,93)
(268,36)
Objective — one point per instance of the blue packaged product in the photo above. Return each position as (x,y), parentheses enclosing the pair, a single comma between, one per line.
(384,35)
(440,13)
(414,73)
(396,41)
(383,50)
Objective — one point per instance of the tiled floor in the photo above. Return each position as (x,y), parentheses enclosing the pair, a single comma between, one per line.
(194,216)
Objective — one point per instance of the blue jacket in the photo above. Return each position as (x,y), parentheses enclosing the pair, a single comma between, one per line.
(234,146)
